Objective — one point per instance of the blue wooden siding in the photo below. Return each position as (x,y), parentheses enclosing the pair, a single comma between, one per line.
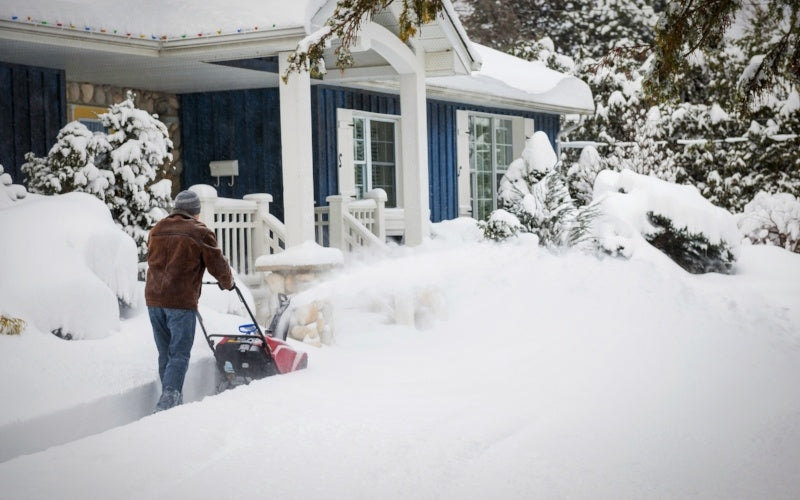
(32,111)
(442,152)
(245,125)
(241,125)
(324,103)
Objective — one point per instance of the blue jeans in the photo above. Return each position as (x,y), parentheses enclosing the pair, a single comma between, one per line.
(173,330)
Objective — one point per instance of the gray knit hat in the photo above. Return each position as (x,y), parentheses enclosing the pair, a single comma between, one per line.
(187,201)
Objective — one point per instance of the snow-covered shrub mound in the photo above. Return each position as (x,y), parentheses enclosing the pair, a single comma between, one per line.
(501,225)
(772,219)
(674,218)
(66,265)
(9,192)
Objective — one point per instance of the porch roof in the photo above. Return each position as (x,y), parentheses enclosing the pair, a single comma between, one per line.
(167,45)
(508,80)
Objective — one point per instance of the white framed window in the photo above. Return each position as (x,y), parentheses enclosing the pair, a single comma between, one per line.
(487,144)
(368,145)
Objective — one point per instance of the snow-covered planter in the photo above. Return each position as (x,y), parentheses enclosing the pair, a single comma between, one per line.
(772,219)
(676,219)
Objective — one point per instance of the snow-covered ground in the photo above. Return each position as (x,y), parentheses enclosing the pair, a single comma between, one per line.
(526,375)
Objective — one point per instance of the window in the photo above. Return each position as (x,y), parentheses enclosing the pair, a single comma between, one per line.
(87,115)
(374,157)
(490,153)
(368,154)
(487,144)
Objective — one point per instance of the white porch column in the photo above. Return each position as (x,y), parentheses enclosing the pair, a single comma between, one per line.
(298,180)
(415,156)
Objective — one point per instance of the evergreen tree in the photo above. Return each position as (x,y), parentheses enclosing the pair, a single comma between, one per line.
(687,25)
(703,136)
(138,146)
(119,167)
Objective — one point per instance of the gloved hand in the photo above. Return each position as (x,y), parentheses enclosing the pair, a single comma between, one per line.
(233,285)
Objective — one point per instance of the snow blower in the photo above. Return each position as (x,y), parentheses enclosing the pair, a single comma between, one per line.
(251,354)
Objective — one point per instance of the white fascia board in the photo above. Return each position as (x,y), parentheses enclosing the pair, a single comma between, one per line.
(474,98)
(485,99)
(61,37)
(240,45)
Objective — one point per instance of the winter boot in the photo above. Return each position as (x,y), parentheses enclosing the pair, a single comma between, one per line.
(169,398)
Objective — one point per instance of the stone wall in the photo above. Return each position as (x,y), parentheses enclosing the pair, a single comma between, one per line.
(166,106)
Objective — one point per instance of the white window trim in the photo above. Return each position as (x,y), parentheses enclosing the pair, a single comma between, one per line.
(346,159)
(522,129)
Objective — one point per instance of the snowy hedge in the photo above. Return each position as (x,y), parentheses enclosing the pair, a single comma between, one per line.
(676,219)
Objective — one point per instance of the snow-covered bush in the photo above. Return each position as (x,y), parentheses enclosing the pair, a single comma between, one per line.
(772,219)
(535,193)
(692,251)
(582,173)
(66,266)
(119,167)
(69,166)
(500,225)
(9,192)
(639,209)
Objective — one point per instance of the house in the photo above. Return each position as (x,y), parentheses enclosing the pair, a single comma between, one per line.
(433,122)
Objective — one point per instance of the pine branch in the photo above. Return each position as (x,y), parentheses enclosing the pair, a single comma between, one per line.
(345,24)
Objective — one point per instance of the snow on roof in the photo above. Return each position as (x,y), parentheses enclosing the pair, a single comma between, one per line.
(505,76)
(164,19)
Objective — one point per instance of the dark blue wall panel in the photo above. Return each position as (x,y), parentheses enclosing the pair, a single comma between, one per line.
(241,125)
(32,111)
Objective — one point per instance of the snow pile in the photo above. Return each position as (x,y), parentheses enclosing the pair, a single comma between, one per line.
(626,198)
(522,374)
(65,275)
(772,219)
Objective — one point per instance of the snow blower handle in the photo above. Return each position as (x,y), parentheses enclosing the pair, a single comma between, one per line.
(241,297)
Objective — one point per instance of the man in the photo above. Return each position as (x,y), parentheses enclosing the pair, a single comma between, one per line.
(180,248)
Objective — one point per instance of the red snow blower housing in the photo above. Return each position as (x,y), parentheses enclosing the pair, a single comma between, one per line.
(250,354)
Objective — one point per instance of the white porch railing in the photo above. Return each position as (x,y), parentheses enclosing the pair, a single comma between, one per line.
(244,228)
(349,224)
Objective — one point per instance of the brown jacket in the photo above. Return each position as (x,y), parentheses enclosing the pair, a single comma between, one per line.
(180,248)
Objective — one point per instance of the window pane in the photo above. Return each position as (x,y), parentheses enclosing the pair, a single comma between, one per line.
(358,139)
(360,180)
(383,177)
(382,141)
(503,146)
